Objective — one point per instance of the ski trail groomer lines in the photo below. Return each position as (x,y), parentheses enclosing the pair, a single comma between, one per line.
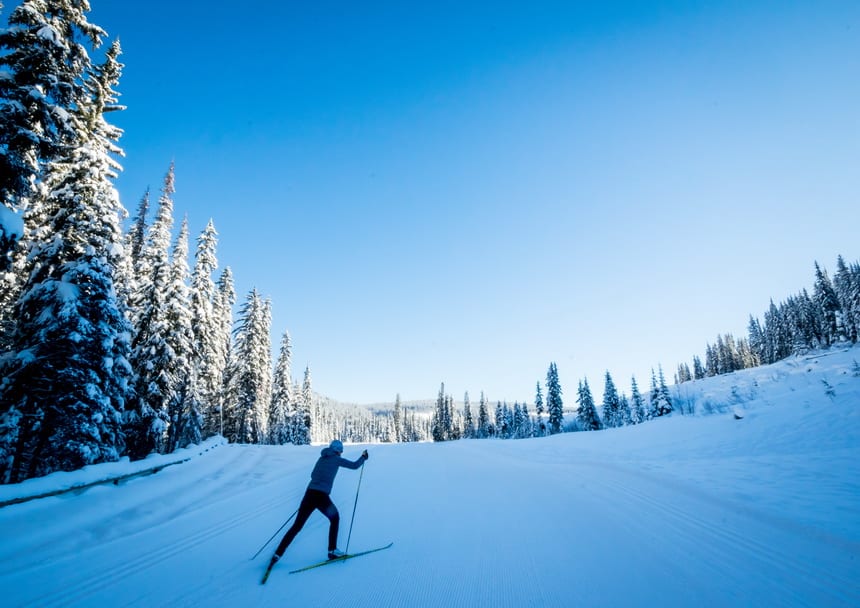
(317,497)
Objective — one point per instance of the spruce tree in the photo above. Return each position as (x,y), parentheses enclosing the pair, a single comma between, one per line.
(44,91)
(638,411)
(499,427)
(653,398)
(611,404)
(843,285)
(625,415)
(540,427)
(302,421)
(483,430)
(554,404)
(468,421)
(828,309)
(249,374)
(665,401)
(398,420)
(282,397)
(586,415)
(222,317)
(440,424)
(206,327)
(152,356)
(183,404)
(65,378)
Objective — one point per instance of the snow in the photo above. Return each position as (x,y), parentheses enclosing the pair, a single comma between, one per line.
(696,510)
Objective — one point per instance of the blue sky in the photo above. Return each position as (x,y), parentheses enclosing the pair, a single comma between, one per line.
(463,194)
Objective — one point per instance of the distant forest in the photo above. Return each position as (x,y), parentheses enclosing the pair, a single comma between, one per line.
(121,343)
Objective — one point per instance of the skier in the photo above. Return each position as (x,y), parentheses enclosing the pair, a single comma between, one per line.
(317,497)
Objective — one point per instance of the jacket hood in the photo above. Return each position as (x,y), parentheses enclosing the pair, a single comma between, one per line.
(327,452)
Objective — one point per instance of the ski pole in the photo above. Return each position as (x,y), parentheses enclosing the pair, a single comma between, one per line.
(352,519)
(274,535)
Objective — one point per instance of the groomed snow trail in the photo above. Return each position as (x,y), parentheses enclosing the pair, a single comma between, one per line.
(475,523)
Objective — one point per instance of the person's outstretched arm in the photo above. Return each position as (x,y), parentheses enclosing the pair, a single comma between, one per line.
(353,464)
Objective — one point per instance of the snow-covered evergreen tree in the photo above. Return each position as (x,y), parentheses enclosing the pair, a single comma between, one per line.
(624,413)
(222,317)
(540,427)
(65,378)
(483,430)
(665,401)
(302,420)
(654,397)
(152,355)
(554,404)
(586,415)
(611,404)
(441,424)
(206,327)
(468,421)
(527,429)
(183,404)
(132,271)
(638,412)
(44,63)
(249,376)
(828,310)
(280,411)
(398,420)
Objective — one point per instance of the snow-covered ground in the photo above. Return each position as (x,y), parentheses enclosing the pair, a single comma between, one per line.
(704,510)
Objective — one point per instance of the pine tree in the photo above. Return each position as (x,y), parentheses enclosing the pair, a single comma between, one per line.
(653,398)
(222,320)
(554,405)
(439,422)
(302,421)
(540,427)
(828,309)
(152,356)
(586,415)
(527,428)
(183,405)
(843,285)
(134,272)
(249,375)
(624,413)
(499,421)
(205,326)
(398,420)
(282,397)
(483,430)
(45,86)
(65,378)
(637,409)
(666,406)
(611,404)
(468,422)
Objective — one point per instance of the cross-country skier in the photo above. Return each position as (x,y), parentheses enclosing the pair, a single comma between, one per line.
(317,497)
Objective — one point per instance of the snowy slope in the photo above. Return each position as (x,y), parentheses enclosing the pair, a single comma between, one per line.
(703,510)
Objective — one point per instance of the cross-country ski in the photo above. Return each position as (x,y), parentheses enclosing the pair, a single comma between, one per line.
(342,558)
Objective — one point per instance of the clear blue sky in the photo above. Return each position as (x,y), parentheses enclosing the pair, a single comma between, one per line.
(465,192)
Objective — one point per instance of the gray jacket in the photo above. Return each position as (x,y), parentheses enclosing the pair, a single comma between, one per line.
(322,477)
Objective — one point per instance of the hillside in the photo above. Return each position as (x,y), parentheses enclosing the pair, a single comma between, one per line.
(755,504)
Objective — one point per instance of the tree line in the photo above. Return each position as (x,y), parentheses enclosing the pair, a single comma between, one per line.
(111,343)
(801,323)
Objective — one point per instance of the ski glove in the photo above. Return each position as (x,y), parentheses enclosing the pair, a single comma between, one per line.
(364,455)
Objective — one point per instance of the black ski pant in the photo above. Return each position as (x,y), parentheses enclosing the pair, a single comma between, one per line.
(313,499)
